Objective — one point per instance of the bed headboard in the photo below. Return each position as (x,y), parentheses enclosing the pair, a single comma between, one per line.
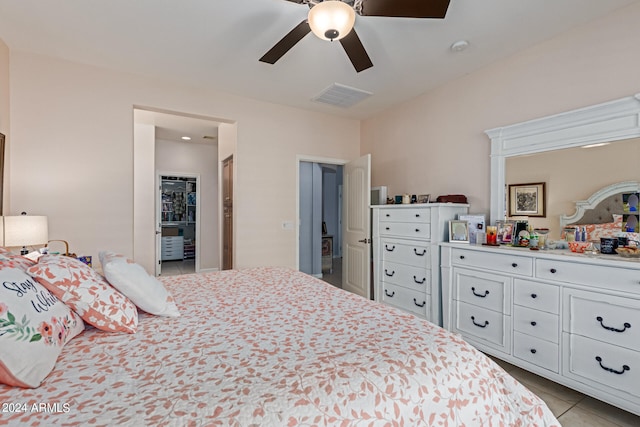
(601,205)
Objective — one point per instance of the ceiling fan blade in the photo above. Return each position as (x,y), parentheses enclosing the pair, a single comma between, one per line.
(355,51)
(406,8)
(286,43)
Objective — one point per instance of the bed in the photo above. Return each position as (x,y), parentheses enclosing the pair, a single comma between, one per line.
(273,347)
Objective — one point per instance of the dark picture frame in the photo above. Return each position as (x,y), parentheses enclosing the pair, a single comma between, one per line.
(527,199)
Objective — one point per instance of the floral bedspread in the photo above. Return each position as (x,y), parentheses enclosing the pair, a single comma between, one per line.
(274,347)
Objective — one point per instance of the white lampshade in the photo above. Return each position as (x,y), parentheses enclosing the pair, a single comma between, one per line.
(331,19)
(25,230)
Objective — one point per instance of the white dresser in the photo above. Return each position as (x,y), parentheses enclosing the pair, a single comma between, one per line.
(406,255)
(572,318)
(172,248)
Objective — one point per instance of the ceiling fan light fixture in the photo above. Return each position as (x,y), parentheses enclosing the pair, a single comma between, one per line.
(331,19)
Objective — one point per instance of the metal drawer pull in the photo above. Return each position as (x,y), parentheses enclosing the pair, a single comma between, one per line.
(415,251)
(461,256)
(613,371)
(417,215)
(417,230)
(534,296)
(486,322)
(419,305)
(390,250)
(534,323)
(553,271)
(415,279)
(609,328)
(387,273)
(514,265)
(387,228)
(480,295)
(390,295)
(533,351)
(388,215)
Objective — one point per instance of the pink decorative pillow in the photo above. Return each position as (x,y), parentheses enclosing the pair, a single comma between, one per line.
(86,292)
(8,259)
(134,282)
(34,326)
(609,229)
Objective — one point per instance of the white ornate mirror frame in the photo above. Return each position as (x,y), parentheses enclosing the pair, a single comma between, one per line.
(608,122)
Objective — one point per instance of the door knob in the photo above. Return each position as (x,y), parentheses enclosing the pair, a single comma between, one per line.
(365,241)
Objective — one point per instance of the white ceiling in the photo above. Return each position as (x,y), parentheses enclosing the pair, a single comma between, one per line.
(216,43)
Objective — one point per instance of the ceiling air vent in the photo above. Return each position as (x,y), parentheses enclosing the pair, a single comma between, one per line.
(341,95)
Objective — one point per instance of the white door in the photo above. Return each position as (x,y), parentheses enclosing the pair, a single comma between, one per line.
(356,227)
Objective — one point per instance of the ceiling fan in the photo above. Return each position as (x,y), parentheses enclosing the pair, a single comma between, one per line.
(334,20)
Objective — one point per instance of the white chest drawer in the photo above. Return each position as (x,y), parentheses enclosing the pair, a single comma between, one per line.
(506,263)
(406,229)
(478,323)
(536,323)
(417,278)
(406,299)
(414,215)
(540,296)
(537,351)
(605,318)
(489,291)
(603,366)
(595,275)
(402,253)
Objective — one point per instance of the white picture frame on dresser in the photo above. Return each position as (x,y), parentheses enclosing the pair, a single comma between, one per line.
(406,255)
(571,318)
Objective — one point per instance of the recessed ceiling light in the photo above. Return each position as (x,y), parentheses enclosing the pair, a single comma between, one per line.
(459,46)
(186,138)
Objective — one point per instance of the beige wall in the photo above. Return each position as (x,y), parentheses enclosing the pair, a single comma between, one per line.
(74,156)
(4,112)
(436,142)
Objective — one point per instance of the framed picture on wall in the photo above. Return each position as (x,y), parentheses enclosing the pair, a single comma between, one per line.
(459,231)
(527,199)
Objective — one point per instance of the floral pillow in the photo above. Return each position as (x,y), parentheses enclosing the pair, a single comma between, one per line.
(34,326)
(609,229)
(133,281)
(86,292)
(8,259)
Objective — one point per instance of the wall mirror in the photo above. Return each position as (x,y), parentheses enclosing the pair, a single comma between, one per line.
(527,143)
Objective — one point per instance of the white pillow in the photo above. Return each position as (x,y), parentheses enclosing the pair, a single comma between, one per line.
(34,326)
(132,280)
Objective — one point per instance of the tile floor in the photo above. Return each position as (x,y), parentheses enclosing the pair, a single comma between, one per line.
(173,268)
(335,277)
(572,408)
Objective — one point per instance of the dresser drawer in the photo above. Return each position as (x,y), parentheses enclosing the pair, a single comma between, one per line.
(540,296)
(595,275)
(481,324)
(537,351)
(537,323)
(406,229)
(602,366)
(418,255)
(489,291)
(506,263)
(417,278)
(406,299)
(605,318)
(417,215)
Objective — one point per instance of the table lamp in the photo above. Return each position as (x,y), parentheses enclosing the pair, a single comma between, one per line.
(25,230)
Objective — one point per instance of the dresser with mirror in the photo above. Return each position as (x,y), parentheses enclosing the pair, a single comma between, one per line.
(572,318)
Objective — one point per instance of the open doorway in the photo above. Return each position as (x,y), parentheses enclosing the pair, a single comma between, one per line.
(179,213)
(320,220)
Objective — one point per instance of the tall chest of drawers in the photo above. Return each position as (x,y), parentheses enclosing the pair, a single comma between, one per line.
(571,318)
(406,256)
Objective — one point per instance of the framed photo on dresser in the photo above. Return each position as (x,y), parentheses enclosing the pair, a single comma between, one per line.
(459,231)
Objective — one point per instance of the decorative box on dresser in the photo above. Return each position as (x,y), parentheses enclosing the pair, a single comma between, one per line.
(406,255)
(572,318)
